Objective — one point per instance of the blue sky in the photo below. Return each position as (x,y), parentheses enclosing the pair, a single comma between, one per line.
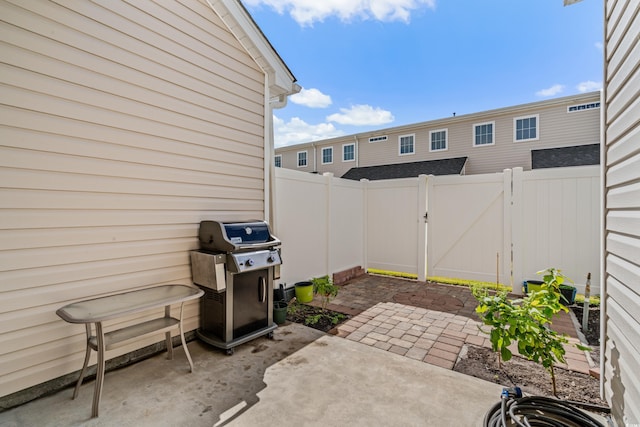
(374,64)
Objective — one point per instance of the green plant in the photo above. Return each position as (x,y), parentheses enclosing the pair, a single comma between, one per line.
(334,319)
(392,273)
(324,287)
(293,307)
(526,322)
(469,283)
(594,300)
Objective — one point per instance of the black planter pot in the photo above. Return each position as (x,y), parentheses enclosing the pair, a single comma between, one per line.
(568,294)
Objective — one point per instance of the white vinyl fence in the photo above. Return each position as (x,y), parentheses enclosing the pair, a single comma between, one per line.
(506,225)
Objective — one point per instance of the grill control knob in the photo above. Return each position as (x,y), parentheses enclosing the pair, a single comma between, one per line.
(270,258)
(249,262)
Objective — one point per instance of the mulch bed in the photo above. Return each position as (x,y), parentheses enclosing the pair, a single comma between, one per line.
(531,377)
(326,320)
(593,324)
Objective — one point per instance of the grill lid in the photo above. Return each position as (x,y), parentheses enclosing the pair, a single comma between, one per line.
(236,236)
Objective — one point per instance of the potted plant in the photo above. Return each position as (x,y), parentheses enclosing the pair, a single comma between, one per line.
(279,312)
(568,293)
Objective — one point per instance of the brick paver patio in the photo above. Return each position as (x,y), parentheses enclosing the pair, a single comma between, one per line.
(424,321)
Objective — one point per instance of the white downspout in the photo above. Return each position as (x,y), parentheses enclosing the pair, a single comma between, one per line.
(315,159)
(269,172)
(356,150)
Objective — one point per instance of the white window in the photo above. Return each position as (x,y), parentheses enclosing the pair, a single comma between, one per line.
(302,159)
(378,138)
(483,134)
(349,152)
(438,140)
(406,145)
(278,160)
(327,155)
(526,128)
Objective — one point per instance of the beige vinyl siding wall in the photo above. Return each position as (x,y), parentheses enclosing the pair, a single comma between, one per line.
(621,332)
(122,126)
(556,127)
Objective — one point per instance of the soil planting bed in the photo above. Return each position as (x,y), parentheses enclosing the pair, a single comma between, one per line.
(299,313)
(531,377)
(593,333)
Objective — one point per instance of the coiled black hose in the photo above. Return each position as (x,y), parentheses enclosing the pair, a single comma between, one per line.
(539,411)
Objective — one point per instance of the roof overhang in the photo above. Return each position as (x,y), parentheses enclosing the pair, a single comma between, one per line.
(281,81)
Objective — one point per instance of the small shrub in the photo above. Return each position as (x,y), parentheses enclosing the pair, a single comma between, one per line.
(526,321)
(324,287)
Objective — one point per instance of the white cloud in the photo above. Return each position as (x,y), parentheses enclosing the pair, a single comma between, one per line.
(311,98)
(589,86)
(553,90)
(297,131)
(599,46)
(306,12)
(362,115)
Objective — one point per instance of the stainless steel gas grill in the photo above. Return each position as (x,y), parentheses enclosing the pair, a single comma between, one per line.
(235,266)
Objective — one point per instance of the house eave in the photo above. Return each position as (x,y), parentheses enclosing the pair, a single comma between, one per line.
(282,82)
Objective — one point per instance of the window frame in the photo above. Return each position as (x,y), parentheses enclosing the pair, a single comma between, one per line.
(306,159)
(493,133)
(277,159)
(330,149)
(344,146)
(446,140)
(515,128)
(413,144)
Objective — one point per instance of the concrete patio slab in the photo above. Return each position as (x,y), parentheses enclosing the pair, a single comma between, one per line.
(342,383)
(301,378)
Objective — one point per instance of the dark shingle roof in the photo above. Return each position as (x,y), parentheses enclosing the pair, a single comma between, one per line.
(580,155)
(408,170)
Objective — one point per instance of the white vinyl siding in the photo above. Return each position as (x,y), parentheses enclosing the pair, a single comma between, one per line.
(526,128)
(406,144)
(327,155)
(120,133)
(303,160)
(438,140)
(483,134)
(621,347)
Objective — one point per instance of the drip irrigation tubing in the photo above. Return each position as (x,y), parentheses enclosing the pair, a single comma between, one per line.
(537,411)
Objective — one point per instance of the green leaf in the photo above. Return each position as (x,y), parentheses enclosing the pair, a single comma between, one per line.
(583,347)
(505,353)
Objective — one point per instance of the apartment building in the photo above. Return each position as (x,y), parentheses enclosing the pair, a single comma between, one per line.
(557,132)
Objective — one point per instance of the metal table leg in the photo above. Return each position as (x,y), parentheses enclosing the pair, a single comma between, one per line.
(167,335)
(86,361)
(184,343)
(100,371)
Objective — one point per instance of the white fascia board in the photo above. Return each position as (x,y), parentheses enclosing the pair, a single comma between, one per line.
(281,81)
